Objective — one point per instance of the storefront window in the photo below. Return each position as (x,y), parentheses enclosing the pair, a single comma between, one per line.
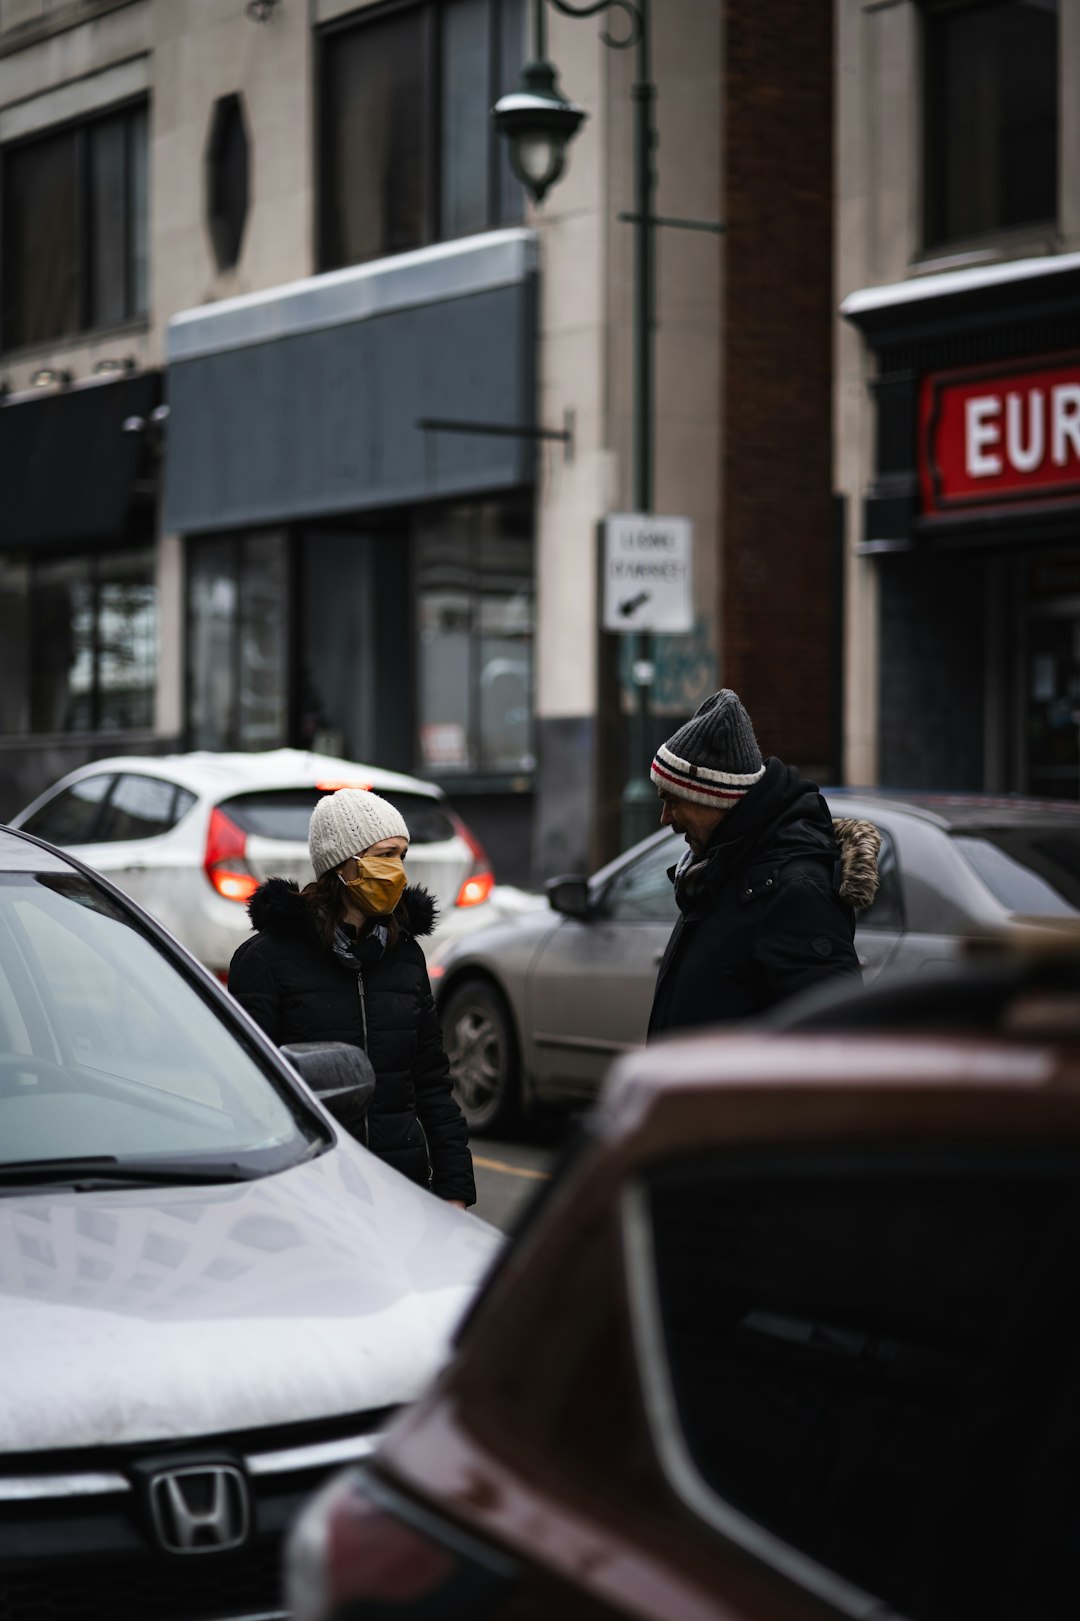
(1053,706)
(991,132)
(264,641)
(238,641)
(212,599)
(14,645)
(126,644)
(475,607)
(62,637)
(78,644)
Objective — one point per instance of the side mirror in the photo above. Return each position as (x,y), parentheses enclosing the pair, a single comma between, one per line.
(569,896)
(341,1077)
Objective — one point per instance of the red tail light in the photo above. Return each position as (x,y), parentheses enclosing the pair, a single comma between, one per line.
(480,880)
(358,1544)
(476,888)
(225,863)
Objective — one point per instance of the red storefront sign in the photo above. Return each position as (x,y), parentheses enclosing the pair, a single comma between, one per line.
(993,438)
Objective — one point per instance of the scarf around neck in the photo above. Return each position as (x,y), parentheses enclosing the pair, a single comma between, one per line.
(359,950)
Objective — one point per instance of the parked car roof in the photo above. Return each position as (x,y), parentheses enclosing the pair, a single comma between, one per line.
(204,771)
(960,810)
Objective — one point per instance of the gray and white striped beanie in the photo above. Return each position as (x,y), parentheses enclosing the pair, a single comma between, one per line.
(714,759)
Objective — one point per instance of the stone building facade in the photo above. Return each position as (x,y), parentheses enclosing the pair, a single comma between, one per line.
(244,225)
(957,372)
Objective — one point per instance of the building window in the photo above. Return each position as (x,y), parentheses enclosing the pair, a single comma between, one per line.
(75,229)
(409,155)
(475,612)
(991,117)
(238,641)
(79,644)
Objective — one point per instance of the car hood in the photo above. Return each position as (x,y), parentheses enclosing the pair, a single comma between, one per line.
(137,1315)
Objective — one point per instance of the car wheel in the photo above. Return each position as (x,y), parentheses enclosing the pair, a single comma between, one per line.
(482,1050)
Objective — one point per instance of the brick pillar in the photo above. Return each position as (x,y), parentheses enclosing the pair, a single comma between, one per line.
(777,611)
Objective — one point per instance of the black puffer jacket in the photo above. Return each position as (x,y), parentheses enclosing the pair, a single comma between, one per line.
(766,916)
(298,991)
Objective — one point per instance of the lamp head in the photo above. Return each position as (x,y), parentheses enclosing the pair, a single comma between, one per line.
(539,124)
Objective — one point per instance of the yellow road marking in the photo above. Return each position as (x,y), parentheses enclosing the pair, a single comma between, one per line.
(510,1170)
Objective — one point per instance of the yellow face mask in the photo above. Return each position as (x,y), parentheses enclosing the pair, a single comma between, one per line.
(379,886)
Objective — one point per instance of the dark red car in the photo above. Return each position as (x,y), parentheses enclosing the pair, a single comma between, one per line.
(795,1334)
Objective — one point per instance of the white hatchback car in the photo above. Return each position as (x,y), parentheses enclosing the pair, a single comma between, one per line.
(191,836)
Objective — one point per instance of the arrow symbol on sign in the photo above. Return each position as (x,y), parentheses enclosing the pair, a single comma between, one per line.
(632,604)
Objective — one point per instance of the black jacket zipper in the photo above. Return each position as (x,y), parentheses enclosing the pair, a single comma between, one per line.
(364,1033)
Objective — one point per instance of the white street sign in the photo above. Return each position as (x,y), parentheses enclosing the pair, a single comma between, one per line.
(648,577)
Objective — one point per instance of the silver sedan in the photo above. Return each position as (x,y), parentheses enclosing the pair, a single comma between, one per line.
(535,1008)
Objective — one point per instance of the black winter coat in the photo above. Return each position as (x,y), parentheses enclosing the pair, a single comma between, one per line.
(767,917)
(299,991)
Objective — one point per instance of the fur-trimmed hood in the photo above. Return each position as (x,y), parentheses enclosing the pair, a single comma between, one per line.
(859,843)
(277,907)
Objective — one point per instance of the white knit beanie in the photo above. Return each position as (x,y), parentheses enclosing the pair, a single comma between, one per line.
(348,822)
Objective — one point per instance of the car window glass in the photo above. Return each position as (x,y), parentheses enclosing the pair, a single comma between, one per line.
(872,1354)
(427,820)
(1027,874)
(284,813)
(276,813)
(14,1032)
(643,892)
(70,817)
(130,1058)
(886,911)
(138,808)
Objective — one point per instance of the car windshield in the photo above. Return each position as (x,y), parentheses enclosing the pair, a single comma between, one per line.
(109,1053)
(1030,870)
(284,813)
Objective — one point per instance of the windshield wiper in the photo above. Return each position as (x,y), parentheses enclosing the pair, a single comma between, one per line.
(92,1169)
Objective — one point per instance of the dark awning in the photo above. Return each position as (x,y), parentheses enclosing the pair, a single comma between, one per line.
(316,399)
(68,471)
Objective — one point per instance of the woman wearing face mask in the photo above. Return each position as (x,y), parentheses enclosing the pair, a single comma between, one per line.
(339,961)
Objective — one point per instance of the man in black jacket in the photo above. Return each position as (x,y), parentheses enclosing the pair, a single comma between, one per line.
(764,908)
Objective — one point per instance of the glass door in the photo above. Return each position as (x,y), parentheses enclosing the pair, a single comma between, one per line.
(1051,700)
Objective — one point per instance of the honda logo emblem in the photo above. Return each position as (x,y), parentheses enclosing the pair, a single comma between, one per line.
(201,1509)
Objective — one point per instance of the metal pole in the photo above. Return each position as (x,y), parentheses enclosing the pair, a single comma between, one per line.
(639,802)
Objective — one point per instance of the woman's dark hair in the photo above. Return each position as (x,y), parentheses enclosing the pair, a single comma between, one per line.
(326,900)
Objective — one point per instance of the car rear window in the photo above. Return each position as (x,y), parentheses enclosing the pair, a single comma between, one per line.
(872,1354)
(1031,870)
(284,813)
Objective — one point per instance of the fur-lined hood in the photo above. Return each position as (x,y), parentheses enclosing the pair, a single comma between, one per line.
(277,907)
(859,843)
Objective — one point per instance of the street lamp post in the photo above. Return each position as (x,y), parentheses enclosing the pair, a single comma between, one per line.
(539,123)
